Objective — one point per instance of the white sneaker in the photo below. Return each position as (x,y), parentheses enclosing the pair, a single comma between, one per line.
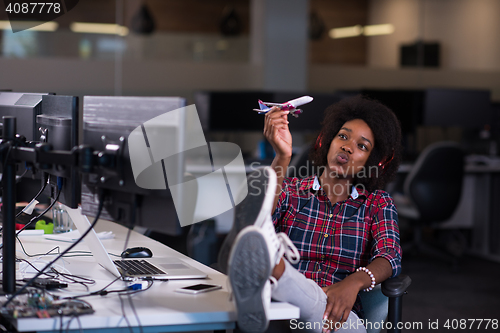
(255,209)
(255,252)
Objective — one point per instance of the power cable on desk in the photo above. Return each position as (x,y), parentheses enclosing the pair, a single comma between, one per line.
(104,292)
(36,218)
(99,210)
(74,279)
(68,278)
(9,146)
(133,307)
(45,180)
(131,226)
(36,269)
(79,323)
(72,253)
(124,315)
(150,283)
(69,323)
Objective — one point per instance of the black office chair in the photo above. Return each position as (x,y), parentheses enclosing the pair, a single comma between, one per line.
(432,191)
(385,303)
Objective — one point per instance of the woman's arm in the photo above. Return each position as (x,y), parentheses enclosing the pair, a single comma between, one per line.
(278,134)
(386,262)
(341,296)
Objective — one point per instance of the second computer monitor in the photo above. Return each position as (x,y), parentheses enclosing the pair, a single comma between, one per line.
(107,124)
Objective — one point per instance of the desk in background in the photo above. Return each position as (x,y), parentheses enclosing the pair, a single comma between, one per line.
(159,309)
(478,210)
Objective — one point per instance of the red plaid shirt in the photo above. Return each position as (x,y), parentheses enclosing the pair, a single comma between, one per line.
(334,240)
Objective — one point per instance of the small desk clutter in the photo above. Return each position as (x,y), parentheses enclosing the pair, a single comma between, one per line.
(78,294)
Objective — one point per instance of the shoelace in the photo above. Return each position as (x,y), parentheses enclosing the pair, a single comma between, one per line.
(288,249)
(274,283)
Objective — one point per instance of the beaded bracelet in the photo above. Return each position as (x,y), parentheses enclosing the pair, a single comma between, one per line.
(367,271)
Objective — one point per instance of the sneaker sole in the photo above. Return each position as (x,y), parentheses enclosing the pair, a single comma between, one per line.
(251,211)
(249,271)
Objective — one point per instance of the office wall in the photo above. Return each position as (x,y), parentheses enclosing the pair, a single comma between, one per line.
(80,77)
(77,77)
(466,29)
(336,14)
(469,60)
(329,78)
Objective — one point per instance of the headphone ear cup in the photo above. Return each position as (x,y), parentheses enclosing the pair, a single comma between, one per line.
(318,141)
(382,164)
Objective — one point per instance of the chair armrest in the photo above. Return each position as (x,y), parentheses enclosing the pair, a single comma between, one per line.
(396,286)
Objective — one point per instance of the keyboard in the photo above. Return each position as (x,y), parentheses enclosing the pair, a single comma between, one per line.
(133,267)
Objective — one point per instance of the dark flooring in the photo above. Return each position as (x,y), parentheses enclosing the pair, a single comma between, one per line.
(441,294)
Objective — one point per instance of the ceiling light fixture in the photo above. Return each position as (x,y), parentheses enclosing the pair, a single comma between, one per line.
(378,29)
(358,30)
(35,25)
(345,32)
(99,28)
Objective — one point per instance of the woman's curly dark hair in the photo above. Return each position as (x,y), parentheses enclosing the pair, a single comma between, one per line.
(386,154)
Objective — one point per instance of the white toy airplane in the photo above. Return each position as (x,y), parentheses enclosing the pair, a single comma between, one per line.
(290,105)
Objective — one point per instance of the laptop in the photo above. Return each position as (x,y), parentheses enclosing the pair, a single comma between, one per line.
(164,268)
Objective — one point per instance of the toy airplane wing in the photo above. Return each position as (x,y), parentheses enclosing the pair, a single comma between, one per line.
(265,107)
(290,105)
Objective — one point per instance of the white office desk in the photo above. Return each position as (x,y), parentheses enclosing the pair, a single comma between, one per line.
(159,309)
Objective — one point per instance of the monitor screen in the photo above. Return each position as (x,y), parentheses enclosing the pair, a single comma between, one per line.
(406,104)
(465,108)
(107,123)
(25,107)
(232,110)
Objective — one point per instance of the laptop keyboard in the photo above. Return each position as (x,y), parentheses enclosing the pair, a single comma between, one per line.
(138,267)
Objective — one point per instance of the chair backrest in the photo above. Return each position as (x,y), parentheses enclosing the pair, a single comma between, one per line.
(376,307)
(435,182)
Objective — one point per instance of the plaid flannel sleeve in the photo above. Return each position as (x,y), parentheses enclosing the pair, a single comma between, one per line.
(385,232)
(282,201)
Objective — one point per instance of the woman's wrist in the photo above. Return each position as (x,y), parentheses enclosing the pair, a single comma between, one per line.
(370,275)
(283,159)
(280,165)
(358,280)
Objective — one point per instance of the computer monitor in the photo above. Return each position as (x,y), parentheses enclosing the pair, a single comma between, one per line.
(232,110)
(407,105)
(25,107)
(58,125)
(107,124)
(465,108)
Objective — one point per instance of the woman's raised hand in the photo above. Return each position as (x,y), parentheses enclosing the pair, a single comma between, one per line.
(277,133)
